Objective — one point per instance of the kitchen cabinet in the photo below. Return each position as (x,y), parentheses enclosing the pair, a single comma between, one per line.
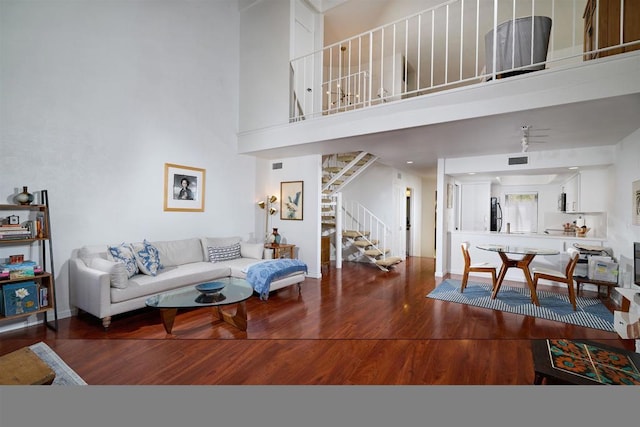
(572,189)
(588,191)
(475,206)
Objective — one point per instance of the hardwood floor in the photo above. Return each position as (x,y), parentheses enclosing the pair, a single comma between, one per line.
(357,325)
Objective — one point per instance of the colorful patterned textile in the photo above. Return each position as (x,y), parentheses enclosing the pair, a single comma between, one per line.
(597,364)
(261,274)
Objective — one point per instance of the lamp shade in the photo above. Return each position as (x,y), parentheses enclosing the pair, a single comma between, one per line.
(272,199)
(262,204)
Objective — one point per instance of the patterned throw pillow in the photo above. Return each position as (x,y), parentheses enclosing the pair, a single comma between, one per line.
(147,258)
(224,253)
(124,254)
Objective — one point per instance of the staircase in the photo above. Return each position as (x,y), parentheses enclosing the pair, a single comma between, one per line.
(364,236)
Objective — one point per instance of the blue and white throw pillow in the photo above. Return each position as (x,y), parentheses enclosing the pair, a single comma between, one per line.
(147,258)
(124,254)
(224,253)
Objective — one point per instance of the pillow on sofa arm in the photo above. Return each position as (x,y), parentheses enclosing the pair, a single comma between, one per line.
(117,271)
(251,250)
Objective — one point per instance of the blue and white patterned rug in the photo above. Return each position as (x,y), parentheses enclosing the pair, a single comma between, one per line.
(590,312)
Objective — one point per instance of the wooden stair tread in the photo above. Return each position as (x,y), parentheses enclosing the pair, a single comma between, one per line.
(355,233)
(375,252)
(364,243)
(388,261)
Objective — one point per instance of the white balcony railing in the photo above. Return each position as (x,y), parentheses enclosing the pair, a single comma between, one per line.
(451,45)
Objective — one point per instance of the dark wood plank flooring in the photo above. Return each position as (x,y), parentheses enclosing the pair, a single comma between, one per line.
(357,325)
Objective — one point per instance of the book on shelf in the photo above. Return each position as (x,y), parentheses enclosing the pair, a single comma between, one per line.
(15,236)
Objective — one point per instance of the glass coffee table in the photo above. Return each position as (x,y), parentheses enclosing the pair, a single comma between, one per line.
(235,291)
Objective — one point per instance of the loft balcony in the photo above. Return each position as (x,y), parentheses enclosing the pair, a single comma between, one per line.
(451,45)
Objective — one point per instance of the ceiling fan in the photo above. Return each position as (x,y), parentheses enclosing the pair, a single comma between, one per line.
(528,137)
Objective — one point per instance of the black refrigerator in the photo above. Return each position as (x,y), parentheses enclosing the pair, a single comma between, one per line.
(496,215)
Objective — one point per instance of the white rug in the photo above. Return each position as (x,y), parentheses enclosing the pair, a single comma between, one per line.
(64,374)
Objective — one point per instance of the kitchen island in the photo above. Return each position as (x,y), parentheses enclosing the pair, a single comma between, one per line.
(535,240)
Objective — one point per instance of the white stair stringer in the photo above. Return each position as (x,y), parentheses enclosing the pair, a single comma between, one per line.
(342,168)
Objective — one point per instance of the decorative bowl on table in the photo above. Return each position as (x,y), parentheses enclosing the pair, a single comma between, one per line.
(210,288)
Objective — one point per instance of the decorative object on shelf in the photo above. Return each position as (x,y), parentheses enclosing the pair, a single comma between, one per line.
(292,193)
(268,205)
(13,220)
(183,188)
(24,198)
(274,237)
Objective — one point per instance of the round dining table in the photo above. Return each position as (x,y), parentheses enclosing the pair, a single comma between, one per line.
(525,256)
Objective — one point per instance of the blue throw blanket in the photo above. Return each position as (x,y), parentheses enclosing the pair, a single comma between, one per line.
(261,275)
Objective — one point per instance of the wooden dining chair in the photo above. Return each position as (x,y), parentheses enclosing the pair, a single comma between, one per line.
(559,276)
(477,268)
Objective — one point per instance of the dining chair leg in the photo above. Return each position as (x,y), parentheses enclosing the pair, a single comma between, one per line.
(465,278)
(572,295)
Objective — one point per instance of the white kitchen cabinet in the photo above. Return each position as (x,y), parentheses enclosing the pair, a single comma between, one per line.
(475,206)
(587,191)
(572,190)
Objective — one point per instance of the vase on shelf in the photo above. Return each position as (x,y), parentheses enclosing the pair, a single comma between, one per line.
(274,237)
(24,198)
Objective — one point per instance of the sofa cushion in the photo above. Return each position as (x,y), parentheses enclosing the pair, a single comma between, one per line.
(178,252)
(224,253)
(117,271)
(216,242)
(124,254)
(147,257)
(169,278)
(251,250)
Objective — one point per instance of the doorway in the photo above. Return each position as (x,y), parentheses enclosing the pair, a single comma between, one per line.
(408,194)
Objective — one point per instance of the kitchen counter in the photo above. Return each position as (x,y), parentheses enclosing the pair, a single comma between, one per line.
(555,235)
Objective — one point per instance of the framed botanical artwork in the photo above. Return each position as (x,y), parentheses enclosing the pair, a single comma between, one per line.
(183,188)
(291,198)
(635,215)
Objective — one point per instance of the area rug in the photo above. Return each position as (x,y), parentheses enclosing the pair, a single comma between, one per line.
(64,374)
(590,313)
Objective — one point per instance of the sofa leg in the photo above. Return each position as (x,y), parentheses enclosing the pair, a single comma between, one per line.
(106,321)
(299,288)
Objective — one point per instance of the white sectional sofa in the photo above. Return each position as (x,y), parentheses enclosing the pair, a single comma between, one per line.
(102,285)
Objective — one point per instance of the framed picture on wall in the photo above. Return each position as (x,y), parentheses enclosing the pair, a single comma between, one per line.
(183,188)
(291,198)
(635,215)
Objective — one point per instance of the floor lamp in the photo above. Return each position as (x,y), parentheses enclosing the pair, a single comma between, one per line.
(268,204)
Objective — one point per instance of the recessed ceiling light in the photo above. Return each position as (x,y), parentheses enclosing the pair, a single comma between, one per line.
(573,167)
(409,162)
(472,173)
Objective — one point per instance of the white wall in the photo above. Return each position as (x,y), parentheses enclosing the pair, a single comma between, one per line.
(98,96)
(264,64)
(305,234)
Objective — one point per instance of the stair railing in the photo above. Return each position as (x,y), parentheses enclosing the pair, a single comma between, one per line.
(356,217)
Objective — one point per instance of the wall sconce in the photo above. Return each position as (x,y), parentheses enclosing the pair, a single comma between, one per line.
(269,205)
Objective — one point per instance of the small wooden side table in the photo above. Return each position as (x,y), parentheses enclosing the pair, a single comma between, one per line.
(281,250)
(581,279)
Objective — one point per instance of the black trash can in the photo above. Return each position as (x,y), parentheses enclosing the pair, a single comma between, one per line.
(518,33)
